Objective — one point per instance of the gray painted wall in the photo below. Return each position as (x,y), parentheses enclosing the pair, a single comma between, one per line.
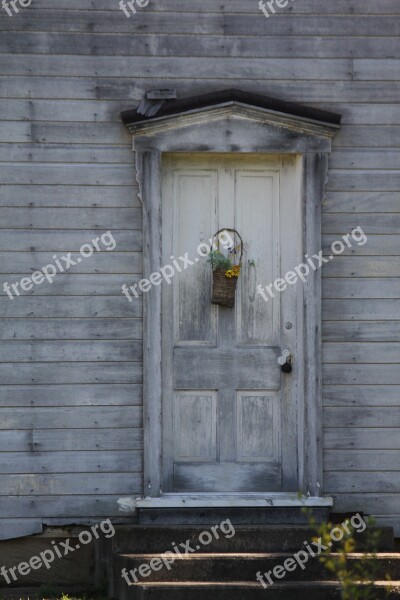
(70,371)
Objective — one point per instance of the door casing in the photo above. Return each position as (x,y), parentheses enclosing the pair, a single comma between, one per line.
(233,128)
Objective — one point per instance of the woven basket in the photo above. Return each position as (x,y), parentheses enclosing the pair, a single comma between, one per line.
(224,288)
(223,292)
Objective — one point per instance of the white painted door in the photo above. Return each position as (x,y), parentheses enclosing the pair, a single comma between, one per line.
(230,416)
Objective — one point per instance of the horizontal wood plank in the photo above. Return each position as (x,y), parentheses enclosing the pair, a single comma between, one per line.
(67,306)
(361,331)
(370,224)
(108,88)
(356,266)
(363,438)
(103,219)
(71,329)
(62,506)
(363,180)
(230,68)
(11,528)
(59,373)
(371,136)
(371,374)
(356,7)
(67,440)
(53,396)
(102,262)
(58,196)
(80,417)
(359,353)
(377,70)
(377,245)
(71,462)
(71,284)
(368,158)
(372,504)
(359,310)
(55,351)
(63,240)
(360,202)
(70,484)
(247,46)
(361,460)
(369,287)
(64,174)
(67,154)
(16,441)
(382,482)
(365,395)
(363,416)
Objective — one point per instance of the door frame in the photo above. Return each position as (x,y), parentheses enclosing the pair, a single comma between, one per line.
(232,127)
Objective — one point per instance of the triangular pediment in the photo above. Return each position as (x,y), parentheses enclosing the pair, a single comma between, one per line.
(223,107)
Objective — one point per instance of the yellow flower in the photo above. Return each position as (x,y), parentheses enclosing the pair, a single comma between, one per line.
(236,271)
(229,274)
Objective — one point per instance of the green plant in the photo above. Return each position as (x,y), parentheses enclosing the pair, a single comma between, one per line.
(356,575)
(219,260)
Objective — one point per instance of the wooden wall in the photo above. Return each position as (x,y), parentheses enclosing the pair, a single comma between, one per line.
(70,394)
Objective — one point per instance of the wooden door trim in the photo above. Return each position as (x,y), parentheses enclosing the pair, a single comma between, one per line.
(224,134)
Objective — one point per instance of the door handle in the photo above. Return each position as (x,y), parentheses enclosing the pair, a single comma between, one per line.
(285,361)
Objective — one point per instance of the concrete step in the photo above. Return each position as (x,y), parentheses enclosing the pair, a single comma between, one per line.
(153,539)
(239,516)
(247,591)
(234,567)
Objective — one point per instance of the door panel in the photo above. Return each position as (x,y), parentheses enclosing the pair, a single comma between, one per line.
(194,217)
(257,220)
(229,415)
(258,426)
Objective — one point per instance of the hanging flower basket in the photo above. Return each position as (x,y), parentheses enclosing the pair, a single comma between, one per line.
(225,272)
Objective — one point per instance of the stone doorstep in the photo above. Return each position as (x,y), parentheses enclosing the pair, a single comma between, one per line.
(237,567)
(154,539)
(310,590)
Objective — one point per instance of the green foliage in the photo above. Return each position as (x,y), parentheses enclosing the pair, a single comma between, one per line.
(219,261)
(356,576)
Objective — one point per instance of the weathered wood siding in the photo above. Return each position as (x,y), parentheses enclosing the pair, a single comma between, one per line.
(70,369)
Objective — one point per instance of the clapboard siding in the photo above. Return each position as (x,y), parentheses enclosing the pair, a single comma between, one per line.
(103,88)
(71,284)
(72,462)
(361,331)
(357,7)
(101,263)
(67,306)
(86,417)
(43,239)
(361,460)
(70,362)
(51,440)
(362,202)
(73,329)
(80,21)
(217,45)
(61,507)
(362,288)
(70,395)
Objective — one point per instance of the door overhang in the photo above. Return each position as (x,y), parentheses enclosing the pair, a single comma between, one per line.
(233,122)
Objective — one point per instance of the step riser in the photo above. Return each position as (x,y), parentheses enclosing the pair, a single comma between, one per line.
(239,569)
(155,540)
(250,516)
(242,593)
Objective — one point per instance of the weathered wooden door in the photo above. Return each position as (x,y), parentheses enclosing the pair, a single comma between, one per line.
(230,421)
